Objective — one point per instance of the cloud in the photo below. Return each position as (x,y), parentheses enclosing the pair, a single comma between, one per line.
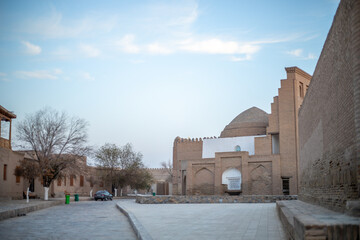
(310,56)
(126,44)
(299,53)
(31,48)
(239,59)
(296,52)
(62,52)
(86,76)
(41,74)
(89,50)
(55,26)
(156,48)
(218,46)
(3,77)
(58,71)
(189,15)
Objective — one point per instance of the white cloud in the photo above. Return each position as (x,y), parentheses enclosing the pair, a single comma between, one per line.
(126,44)
(58,71)
(62,52)
(89,50)
(239,59)
(296,52)
(156,48)
(87,76)
(31,49)
(189,15)
(311,56)
(41,74)
(3,77)
(218,46)
(299,53)
(54,26)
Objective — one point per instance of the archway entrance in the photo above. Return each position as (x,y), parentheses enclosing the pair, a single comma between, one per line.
(231,178)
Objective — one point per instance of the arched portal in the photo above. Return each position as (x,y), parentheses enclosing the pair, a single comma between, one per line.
(232,178)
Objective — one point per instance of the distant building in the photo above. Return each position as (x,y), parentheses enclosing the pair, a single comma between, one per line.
(14,187)
(256,153)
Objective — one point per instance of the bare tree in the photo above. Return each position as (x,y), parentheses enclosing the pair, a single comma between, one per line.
(58,143)
(122,166)
(169,169)
(108,160)
(93,181)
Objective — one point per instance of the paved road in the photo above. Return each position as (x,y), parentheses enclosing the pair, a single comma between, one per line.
(208,221)
(81,220)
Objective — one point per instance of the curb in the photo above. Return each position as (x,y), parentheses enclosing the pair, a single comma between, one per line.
(23,210)
(139,229)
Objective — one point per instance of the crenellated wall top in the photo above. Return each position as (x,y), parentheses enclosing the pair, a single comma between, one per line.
(188,140)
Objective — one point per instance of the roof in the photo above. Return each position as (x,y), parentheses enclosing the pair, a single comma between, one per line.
(6,113)
(251,115)
(250,122)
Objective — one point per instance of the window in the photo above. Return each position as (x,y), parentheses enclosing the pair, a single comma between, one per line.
(275,144)
(5,170)
(101,184)
(71,180)
(237,148)
(59,182)
(17,179)
(301,89)
(91,184)
(65,181)
(286,186)
(81,181)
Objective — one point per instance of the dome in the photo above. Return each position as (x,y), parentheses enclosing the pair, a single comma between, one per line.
(250,122)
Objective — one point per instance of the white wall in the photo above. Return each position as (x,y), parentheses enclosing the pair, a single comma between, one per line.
(211,146)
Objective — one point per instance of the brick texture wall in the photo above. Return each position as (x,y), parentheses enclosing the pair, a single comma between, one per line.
(327,129)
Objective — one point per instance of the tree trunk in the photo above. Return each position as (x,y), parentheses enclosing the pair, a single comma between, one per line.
(91,191)
(27,195)
(46,193)
(121,192)
(115,189)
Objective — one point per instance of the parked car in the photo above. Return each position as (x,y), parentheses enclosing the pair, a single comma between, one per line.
(103,195)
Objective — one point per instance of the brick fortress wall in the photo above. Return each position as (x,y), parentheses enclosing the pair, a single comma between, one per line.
(327,118)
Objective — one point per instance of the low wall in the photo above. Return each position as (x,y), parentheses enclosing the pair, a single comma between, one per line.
(146,199)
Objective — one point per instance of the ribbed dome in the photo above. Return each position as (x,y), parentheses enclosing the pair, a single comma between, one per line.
(252,121)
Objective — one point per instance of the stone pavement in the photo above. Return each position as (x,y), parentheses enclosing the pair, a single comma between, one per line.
(14,208)
(78,220)
(208,221)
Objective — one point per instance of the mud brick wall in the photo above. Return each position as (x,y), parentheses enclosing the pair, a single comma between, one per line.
(329,117)
(146,199)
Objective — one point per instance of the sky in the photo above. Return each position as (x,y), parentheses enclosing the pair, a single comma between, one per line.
(144,72)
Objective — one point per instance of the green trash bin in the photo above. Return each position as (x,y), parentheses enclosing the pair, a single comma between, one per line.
(67,199)
(153,193)
(76,197)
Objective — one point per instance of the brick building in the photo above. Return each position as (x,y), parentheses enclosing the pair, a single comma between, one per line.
(256,153)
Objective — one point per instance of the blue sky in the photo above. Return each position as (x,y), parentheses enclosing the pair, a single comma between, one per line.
(145,72)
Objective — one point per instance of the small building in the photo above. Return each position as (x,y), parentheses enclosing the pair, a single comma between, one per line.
(10,185)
